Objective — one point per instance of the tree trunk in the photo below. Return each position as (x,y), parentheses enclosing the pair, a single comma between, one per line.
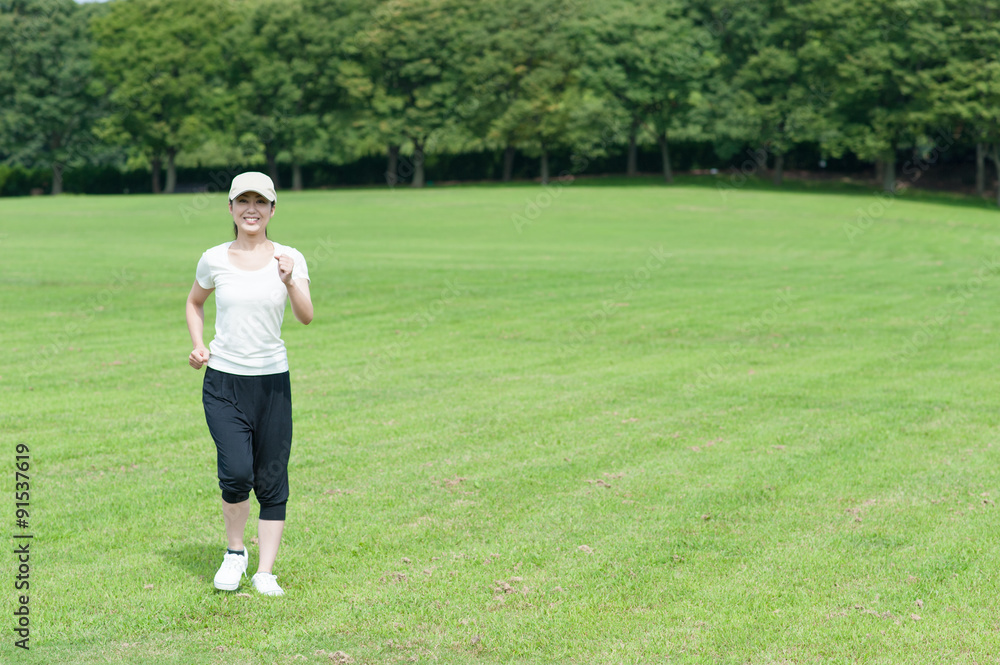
(632,167)
(508,163)
(157,164)
(392,165)
(668,173)
(272,166)
(995,154)
(889,173)
(545,166)
(57,178)
(779,168)
(296,176)
(171,172)
(418,165)
(980,169)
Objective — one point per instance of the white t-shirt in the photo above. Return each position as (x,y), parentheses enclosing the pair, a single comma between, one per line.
(250,306)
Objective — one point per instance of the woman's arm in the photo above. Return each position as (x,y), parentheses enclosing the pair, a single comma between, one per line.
(302,306)
(196,324)
(298,290)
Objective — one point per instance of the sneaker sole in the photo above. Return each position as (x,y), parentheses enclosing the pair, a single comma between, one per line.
(226,587)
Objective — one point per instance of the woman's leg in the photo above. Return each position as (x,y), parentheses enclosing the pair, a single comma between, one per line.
(272,448)
(232,434)
(268,540)
(235,515)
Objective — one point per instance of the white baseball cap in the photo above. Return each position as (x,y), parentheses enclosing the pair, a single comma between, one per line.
(253,181)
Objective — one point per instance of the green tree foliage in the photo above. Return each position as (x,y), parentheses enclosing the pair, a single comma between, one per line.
(489,75)
(163,63)
(275,77)
(529,81)
(343,89)
(48,103)
(654,62)
(871,52)
(768,96)
(405,76)
(962,91)
(287,82)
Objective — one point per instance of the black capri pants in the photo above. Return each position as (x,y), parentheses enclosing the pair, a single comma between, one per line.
(250,419)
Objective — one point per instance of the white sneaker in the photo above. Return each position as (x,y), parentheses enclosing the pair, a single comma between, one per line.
(266,584)
(234,567)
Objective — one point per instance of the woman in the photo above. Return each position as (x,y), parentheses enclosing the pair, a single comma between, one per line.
(246,390)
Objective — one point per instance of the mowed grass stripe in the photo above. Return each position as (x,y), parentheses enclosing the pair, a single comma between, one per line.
(534,445)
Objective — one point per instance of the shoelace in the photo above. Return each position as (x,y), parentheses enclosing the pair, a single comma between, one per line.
(234,561)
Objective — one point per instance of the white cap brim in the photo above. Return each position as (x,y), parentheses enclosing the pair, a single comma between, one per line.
(253,181)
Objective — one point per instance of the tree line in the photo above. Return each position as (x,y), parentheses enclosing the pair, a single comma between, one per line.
(149,83)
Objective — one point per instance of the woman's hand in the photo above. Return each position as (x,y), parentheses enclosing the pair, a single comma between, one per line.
(285,265)
(198,357)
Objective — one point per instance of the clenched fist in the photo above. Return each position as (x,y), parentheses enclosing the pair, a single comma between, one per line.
(198,357)
(285,265)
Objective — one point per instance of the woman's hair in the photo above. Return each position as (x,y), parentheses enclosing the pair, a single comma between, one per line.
(236,231)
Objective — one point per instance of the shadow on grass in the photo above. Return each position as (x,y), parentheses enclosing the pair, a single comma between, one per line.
(199,559)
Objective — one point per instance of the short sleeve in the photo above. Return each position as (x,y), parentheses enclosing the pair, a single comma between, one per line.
(300,270)
(203,275)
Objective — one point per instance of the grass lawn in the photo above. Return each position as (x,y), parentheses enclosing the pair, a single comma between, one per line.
(593,424)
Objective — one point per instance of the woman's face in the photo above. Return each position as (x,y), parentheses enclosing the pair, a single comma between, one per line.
(251,213)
